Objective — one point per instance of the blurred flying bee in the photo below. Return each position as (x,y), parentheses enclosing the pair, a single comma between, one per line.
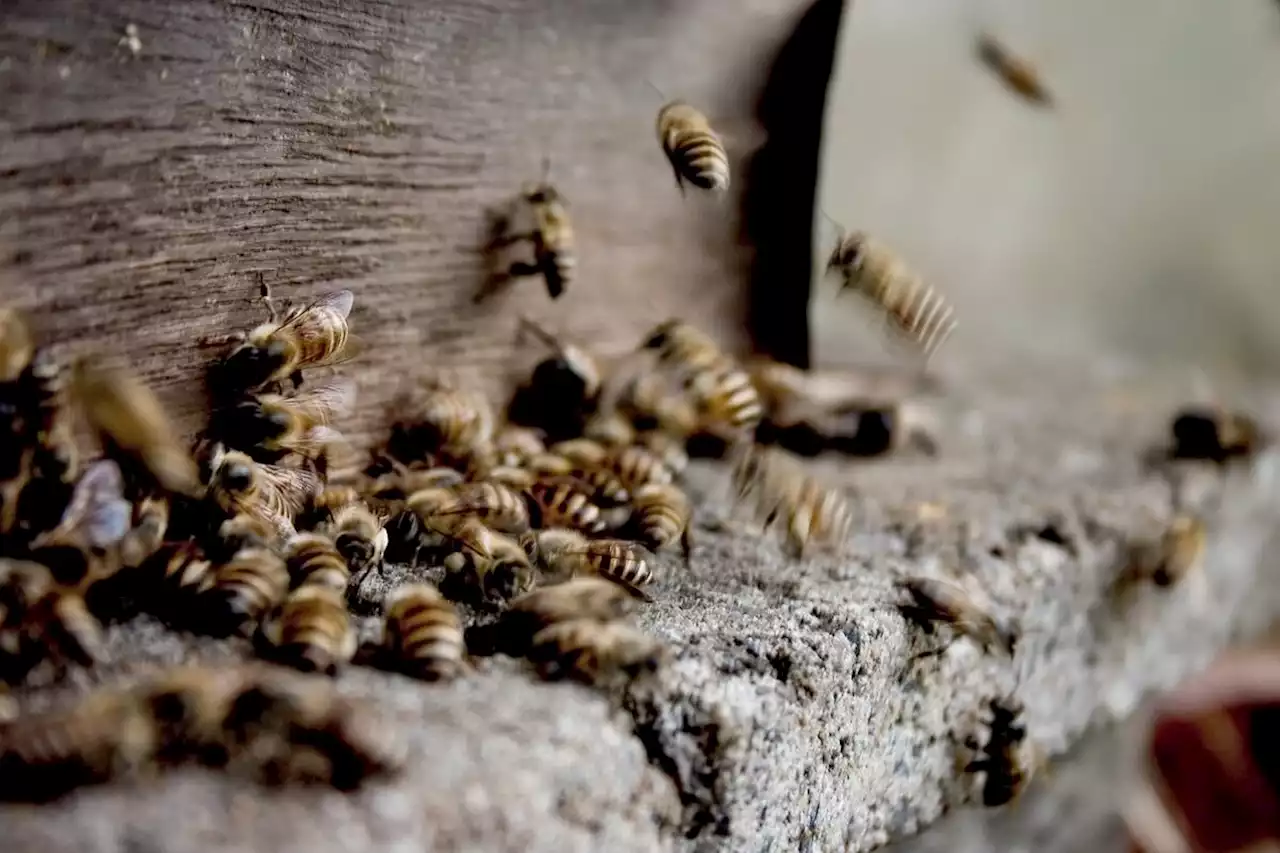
(273,425)
(486,566)
(935,602)
(694,150)
(729,403)
(594,652)
(540,218)
(451,423)
(660,516)
(565,502)
(1007,758)
(809,510)
(242,590)
(562,391)
(312,559)
(422,634)
(868,267)
(150,521)
(1017,73)
(1215,434)
(570,554)
(241,485)
(311,630)
(589,598)
(314,335)
(133,427)
(680,343)
(85,544)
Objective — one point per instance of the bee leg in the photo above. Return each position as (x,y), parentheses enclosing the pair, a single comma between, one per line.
(679,181)
(264,296)
(686,548)
(521,269)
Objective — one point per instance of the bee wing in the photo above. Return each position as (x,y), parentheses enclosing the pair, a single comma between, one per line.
(320,404)
(339,302)
(296,485)
(97,509)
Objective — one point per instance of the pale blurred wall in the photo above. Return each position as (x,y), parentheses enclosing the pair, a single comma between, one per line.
(1141,215)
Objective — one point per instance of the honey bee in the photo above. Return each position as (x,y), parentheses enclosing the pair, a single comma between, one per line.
(313,560)
(586,463)
(660,516)
(244,530)
(1017,73)
(728,401)
(314,335)
(422,634)
(520,479)
(935,602)
(568,553)
(273,424)
(1214,434)
(594,652)
(919,311)
(150,521)
(810,510)
(656,408)
(675,341)
(694,150)
(669,449)
(40,620)
(429,516)
(565,502)
(451,423)
(500,508)
(242,590)
(590,598)
(488,563)
(311,630)
(612,429)
(550,234)
(133,427)
(562,391)
(1006,759)
(359,536)
(84,546)
(241,485)
(513,445)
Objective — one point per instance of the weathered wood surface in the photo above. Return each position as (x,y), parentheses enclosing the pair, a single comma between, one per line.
(146,186)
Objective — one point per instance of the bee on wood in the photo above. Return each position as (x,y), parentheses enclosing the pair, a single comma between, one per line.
(594,652)
(541,218)
(311,630)
(422,634)
(1006,757)
(1215,434)
(314,335)
(660,515)
(500,508)
(514,445)
(133,427)
(1016,73)
(359,536)
(868,267)
(935,602)
(313,560)
(487,562)
(588,598)
(694,150)
(809,510)
(242,590)
(150,521)
(565,502)
(273,425)
(241,485)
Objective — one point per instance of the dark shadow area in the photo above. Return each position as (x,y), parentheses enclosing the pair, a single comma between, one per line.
(782,183)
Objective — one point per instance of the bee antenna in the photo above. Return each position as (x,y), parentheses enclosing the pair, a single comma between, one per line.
(654,87)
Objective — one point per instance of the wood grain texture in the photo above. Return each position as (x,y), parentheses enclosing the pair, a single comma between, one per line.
(328,143)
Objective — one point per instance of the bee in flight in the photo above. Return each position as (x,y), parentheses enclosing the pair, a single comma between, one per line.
(550,234)
(1017,73)
(694,150)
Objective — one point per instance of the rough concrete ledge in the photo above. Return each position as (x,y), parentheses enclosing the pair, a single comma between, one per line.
(789,719)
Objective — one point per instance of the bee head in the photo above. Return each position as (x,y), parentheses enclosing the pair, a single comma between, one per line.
(252,366)
(236,476)
(848,252)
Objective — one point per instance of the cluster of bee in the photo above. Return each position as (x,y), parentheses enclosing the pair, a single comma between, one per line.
(246,720)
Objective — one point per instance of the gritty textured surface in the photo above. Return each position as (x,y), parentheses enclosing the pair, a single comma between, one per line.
(789,719)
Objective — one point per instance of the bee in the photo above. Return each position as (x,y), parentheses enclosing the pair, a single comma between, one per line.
(422,634)
(569,553)
(401,482)
(239,484)
(501,508)
(41,620)
(359,536)
(727,400)
(660,516)
(273,424)
(62,622)
(654,406)
(1215,434)
(150,521)
(586,462)
(451,422)
(565,502)
(594,652)
(84,546)
(520,479)
(494,565)
(311,630)
(934,602)
(581,598)
(1017,73)
(677,342)
(669,449)
(550,233)
(874,270)
(430,515)
(810,510)
(513,445)
(173,576)
(314,335)
(244,530)
(1177,553)
(694,150)
(637,465)
(313,560)
(242,590)
(133,427)
(612,429)
(1005,758)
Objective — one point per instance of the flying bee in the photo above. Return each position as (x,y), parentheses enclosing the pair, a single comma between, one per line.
(694,150)
(594,652)
(359,536)
(242,590)
(40,620)
(150,521)
(655,407)
(513,445)
(562,391)
(549,232)
(274,425)
(450,422)
(565,502)
(314,335)
(313,560)
(810,510)
(422,634)
(1016,73)
(486,562)
(660,516)
(311,630)
(728,401)
(133,427)
(1215,434)
(590,598)
(240,484)
(935,602)
(62,622)
(1007,758)
(918,310)
(500,508)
